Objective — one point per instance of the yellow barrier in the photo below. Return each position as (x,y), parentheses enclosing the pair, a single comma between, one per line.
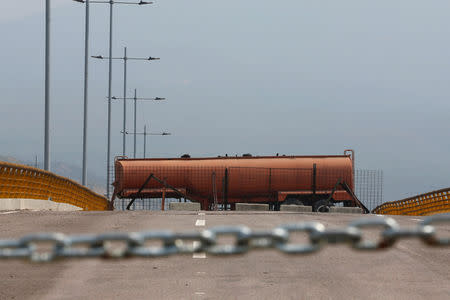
(19,181)
(425,204)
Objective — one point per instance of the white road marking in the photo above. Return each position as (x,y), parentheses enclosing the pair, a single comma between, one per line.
(200,254)
(201,273)
(199,293)
(9,212)
(416,219)
(200,223)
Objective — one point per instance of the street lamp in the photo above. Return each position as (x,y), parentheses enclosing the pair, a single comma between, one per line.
(125,58)
(135,98)
(145,133)
(47,88)
(85,96)
(111,4)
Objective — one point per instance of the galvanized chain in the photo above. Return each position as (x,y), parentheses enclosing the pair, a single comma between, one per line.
(136,244)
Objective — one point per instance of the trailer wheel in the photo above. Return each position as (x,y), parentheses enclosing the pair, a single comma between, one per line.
(321,206)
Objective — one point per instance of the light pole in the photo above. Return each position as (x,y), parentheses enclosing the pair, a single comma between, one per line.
(111,4)
(47,88)
(135,98)
(125,58)
(85,96)
(145,133)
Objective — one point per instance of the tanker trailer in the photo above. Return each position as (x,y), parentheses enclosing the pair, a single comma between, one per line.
(318,181)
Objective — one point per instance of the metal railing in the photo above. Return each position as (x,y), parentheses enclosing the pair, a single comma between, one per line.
(421,205)
(23,182)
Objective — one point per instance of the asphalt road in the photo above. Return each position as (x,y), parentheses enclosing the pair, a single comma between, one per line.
(410,270)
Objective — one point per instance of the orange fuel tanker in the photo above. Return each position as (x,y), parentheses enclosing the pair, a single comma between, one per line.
(318,181)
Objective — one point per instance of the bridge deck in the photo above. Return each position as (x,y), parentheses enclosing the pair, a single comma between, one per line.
(410,270)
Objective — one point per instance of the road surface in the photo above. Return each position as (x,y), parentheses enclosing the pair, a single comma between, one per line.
(410,270)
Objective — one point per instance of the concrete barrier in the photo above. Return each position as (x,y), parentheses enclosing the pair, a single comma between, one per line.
(346,210)
(252,206)
(190,206)
(296,208)
(36,204)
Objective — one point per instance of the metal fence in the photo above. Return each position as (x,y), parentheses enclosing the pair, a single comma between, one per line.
(145,204)
(112,178)
(369,187)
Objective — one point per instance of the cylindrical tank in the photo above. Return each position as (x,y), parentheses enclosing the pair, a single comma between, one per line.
(247,179)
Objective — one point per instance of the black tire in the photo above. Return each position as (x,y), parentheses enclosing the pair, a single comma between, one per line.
(292,201)
(321,206)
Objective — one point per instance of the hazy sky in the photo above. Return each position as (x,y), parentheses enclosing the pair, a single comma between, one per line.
(261,77)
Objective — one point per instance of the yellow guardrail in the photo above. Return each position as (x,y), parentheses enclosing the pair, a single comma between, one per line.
(19,181)
(421,205)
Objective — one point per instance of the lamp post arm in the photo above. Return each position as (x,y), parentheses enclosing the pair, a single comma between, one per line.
(125,58)
(129,98)
(147,133)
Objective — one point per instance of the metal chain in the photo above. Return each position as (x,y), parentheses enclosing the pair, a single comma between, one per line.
(135,244)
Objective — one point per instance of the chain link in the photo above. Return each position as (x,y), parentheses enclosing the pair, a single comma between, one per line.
(388,224)
(312,228)
(245,239)
(241,245)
